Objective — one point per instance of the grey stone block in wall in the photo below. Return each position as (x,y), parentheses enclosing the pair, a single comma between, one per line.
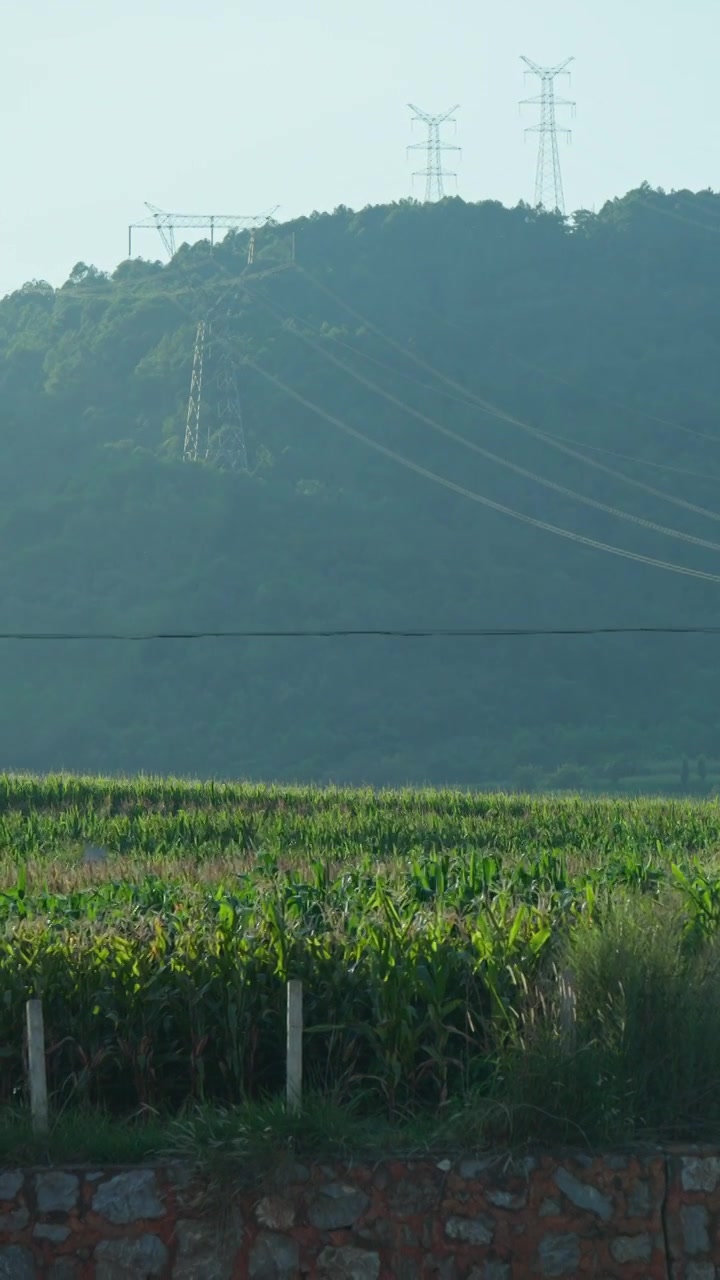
(507,1199)
(50,1231)
(190,1191)
(207,1248)
(63,1269)
(404,1268)
(11,1181)
(197,1245)
(631,1248)
(276,1213)
(15,1219)
(491,1270)
(638,1201)
(550,1209)
(291,1174)
(411,1196)
(443,1269)
(16,1263)
(583,1195)
(695,1221)
(582,1159)
(700,1271)
(699,1173)
(476,1168)
(142,1258)
(382,1233)
(129,1197)
(560,1255)
(616,1162)
(335,1206)
(274,1257)
(56,1192)
(348,1264)
(477,1230)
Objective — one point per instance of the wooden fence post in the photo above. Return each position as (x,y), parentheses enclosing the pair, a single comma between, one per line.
(294,1044)
(36,1067)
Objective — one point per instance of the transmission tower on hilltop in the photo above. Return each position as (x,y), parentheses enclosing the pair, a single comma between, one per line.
(433,147)
(548,179)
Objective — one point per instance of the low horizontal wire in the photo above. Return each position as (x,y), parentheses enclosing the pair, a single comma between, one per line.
(330,633)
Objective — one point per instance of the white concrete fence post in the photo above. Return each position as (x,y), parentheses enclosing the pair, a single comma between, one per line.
(37,1068)
(294,1045)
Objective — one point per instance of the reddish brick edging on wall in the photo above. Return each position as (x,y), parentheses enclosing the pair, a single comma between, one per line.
(622,1216)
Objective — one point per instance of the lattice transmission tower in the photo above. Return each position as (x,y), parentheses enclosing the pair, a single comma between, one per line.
(548,178)
(434,174)
(194,448)
(214,433)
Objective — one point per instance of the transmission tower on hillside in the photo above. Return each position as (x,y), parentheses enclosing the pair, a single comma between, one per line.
(548,179)
(219,437)
(193,448)
(433,147)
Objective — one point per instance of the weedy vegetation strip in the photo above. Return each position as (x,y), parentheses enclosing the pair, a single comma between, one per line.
(429,929)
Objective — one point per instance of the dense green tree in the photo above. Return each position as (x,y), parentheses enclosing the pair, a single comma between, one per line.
(583,353)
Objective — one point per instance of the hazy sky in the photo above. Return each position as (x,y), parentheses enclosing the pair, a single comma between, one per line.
(239,105)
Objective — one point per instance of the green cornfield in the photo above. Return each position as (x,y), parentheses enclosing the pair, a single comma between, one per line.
(429,929)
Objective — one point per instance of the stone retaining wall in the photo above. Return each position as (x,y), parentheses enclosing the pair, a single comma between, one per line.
(635,1216)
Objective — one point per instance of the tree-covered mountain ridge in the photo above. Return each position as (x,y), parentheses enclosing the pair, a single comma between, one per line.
(453,415)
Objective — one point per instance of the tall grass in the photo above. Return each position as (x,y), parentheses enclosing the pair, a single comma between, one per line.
(644,1059)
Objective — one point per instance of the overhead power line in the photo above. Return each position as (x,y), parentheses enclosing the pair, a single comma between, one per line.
(465,395)
(462,399)
(566,381)
(349,633)
(488,454)
(657,207)
(501,415)
(407,463)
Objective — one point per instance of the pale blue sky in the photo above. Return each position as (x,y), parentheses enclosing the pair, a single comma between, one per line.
(208,105)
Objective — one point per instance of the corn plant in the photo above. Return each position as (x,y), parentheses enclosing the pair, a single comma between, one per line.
(422,924)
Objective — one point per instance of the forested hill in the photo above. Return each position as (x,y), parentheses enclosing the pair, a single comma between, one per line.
(388,374)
